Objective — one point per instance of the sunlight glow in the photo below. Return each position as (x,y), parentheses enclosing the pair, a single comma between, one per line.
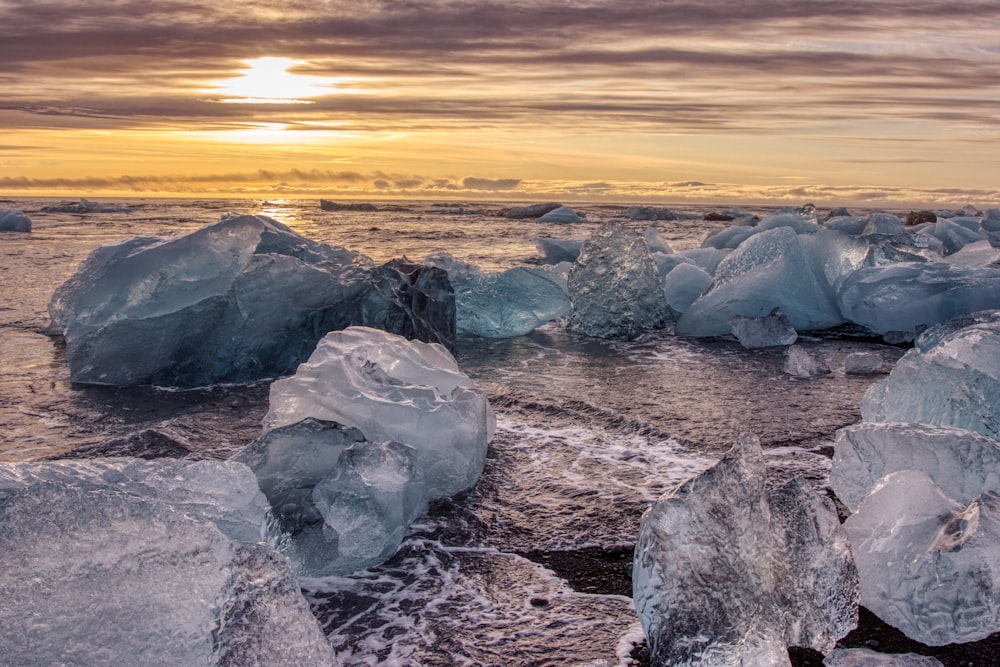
(268,81)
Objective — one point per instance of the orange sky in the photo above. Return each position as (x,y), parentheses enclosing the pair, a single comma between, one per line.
(832,102)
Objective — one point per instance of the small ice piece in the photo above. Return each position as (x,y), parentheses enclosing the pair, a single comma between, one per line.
(908,295)
(729,573)
(772,330)
(883,224)
(648,213)
(851,225)
(14,221)
(964,464)
(395,389)
(555,251)
(928,565)
(458,271)
(656,242)
(368,503)
(683,285)
(513,302)
(531,210)
(615,286)
(800,363)
(863,657)
(863,363)
(770,269)
(950,378)
(562,214)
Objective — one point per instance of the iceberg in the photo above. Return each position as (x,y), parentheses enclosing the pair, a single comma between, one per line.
(683,285)
(769,270)
(771,330)
(513,302)
(963,464)
(883,224)
(14,221)
(950,378)
(457,270)
(614,287)
(562,214)
(650,213)
(928,565)
(391,388)
(908,296)
(728,573)
(531,210)
(555,251)
(97,569)
(85,206)
(236,301)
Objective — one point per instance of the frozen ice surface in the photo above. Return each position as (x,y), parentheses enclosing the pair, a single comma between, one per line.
(395,389)
(102,575)
(770,330)
(908,295)
(928,565)
(14,221)
(368,503)
(863,363)
(513,302)
(555,251)
(240,300)
(964,464)
(728,573)
(950,378)
(803,364)
(561,214)
(615,286)
(862,657)
(683,285)
(769,270)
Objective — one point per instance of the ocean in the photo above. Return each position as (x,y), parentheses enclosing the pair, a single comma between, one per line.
(531,566)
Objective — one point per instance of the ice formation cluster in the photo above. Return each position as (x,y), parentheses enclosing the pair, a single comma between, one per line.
(360,438)
(126,561)
(236,301)
(921,475)
(727,572)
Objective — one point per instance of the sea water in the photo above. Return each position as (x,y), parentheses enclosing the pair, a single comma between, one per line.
(590,432)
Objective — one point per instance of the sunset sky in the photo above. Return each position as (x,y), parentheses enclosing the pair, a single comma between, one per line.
(833,102)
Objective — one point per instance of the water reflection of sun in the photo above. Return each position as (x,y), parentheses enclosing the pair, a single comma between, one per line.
(269,81)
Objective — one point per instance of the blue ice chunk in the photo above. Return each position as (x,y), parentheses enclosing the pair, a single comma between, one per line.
(683,285)
(513,302)
(14,221)
(771,330)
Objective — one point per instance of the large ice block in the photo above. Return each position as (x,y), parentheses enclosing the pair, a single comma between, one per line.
(771,330)
(729,573)
(615,286)
(683,285)
(513,302)
(14,221)
(395,389)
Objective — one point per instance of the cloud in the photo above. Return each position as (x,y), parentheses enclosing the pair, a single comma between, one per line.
(492,184)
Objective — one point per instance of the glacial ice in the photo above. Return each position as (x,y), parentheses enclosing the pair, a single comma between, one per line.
(769,270)
(236,301)
(964,464)
(614,287)
(883,224)
(976,253)
(98,567)
(513,302)
(928,565)
(683,285)
(863,363)
(555,251)
(950,378)
(457,270)
(394,389)
(655,241)
(85,206)
(531,210)
(562,214)
(771,330)
(729,573)
(863,657)
(907,296)
(801,363)
(649,213)
(14,221)
(954,234)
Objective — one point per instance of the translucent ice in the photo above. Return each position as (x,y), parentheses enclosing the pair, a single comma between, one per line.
(728,573)
(683,285)
(615,286)
(513,302)
(977,253)
(862,657)
(962,463)
(907,296)
(235,301)
(883,224)
(950,378)
(731,237)
(928,565)
(458,271)
(769,270)
(656,242)
(554,251)
(531,210)
(954,234)
(97,571)
(803,364)
(770,330)
(561,214)
(14,221)
(863,363)
(395,389)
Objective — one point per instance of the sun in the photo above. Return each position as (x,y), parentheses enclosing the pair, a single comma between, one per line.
(268,81)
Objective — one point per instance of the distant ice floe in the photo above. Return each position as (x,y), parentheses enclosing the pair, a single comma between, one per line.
(14,221)
(85,206)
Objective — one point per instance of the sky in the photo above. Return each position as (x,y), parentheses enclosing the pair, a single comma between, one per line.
(833,102)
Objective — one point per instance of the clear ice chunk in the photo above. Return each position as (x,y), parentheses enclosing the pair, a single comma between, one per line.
(964,464)
(729,573)
(801,363)
(771,330)
(863,363)
(513,302)
(928,565)
(555,251)
(394,389)
(615,286)
(14,221)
